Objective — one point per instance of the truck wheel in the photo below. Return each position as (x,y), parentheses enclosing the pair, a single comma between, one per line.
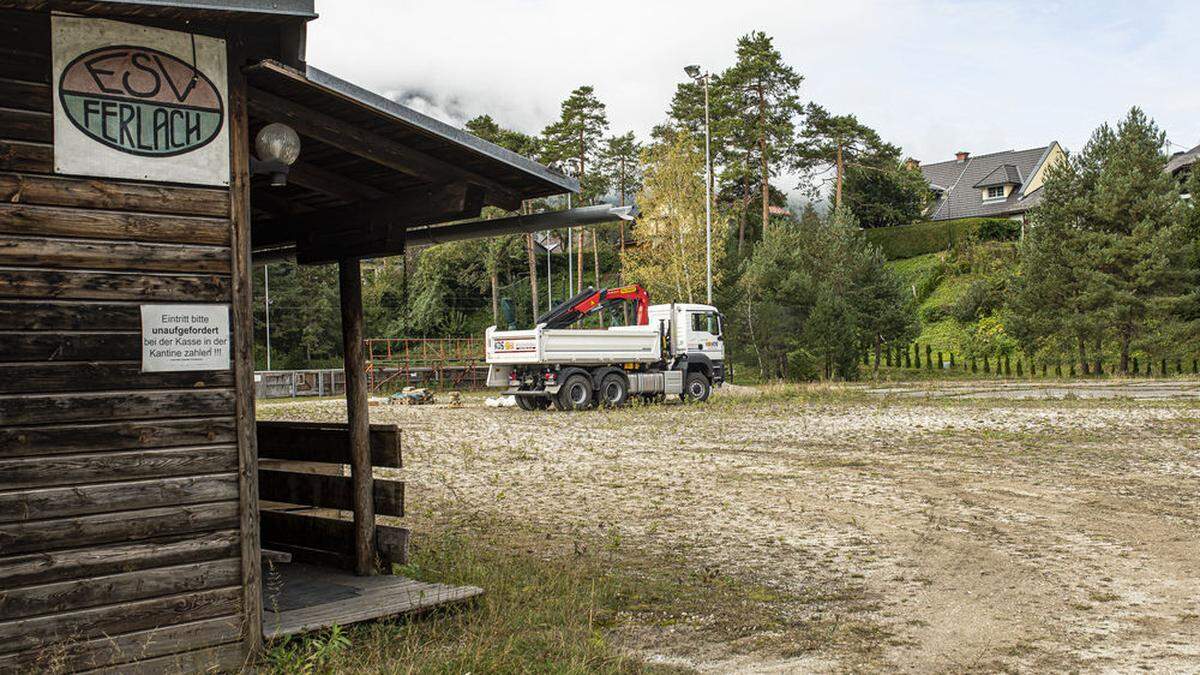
(576,394)
(697,388)
(532,403)
(614,391)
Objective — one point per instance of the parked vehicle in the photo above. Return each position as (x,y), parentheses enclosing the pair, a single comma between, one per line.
(674,349)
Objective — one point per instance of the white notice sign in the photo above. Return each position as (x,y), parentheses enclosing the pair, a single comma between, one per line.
(185,337)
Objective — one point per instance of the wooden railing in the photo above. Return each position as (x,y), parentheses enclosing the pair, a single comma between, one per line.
(396,362)
(302,467)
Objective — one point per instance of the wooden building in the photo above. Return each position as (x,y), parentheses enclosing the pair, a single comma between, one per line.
(137,492)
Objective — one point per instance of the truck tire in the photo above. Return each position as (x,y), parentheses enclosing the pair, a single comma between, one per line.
(575,394)
(614,391)
(696,388)
(532,402)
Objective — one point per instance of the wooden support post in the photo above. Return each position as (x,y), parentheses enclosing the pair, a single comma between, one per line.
(243,350)
(350,280)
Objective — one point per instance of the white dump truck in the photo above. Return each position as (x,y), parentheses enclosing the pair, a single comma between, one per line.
(675,349)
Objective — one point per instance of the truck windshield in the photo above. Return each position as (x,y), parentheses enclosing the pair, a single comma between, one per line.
(706,322)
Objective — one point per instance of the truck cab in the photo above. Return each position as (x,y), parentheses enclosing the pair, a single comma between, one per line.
(696,337)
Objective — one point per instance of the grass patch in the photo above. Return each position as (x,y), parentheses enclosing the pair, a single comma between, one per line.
(566,603)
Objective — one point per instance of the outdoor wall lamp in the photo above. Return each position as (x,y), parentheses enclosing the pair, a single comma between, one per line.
(277,146)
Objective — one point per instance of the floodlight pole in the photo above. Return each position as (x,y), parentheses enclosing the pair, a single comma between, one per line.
(707,193)
(267,307)
(694,73)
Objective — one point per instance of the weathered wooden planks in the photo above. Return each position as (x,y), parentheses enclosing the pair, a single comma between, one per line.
(82,500)
(20,64)
(122,196)
(89,407)
(72,285)
(330,541)
(48,567)
(375,597)
(224,658)
(55,221)
(69,316)
(119,649)
(322,442)
(25,95)
(35,632)
(331,492)
(35,472)
(16,378)
(21,156)
(25,125)
(59,346)
(106,436)
(23,251)
(121,526)
(68,596)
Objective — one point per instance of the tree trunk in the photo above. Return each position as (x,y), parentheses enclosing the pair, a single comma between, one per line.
(596,265)
(1125,340)
(742,211)
(837,201)
(533,274)
(762,160)
(1083,362)
(579,262)
(878,351)
(495,298)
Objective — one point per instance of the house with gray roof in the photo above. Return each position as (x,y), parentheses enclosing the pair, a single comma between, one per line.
(1181,164)
(996,185)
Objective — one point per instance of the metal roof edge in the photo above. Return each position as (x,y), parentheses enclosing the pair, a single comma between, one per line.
(296,8)
(1036,167)
(436,127)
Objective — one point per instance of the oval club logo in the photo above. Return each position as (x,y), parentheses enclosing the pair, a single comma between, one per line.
(141,101)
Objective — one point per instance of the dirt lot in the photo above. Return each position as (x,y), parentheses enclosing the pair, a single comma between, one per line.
(915,533)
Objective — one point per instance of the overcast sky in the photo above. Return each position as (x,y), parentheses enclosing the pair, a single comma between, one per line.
(933,77)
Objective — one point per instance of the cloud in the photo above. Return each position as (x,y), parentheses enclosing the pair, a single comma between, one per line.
(932,76)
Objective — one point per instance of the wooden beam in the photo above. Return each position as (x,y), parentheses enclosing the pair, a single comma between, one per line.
(243,351)
(369,228)
(324,442)
(329,541)
(350,285)
(329,183)
(320,490)
(379,149)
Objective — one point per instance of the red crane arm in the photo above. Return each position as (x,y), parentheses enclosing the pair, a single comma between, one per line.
(632,292)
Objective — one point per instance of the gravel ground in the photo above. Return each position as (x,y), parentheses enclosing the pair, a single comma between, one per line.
(957,533)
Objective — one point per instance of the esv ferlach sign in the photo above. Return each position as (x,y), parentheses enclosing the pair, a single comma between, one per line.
(139,102)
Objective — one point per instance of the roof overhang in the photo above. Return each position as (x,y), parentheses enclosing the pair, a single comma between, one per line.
(331,96)
(203,10)
(372,171)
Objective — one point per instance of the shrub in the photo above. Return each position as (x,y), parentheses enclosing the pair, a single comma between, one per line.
(982,298)
(998,229)
(907,241)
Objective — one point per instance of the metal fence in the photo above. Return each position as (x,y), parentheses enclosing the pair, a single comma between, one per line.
(285,383)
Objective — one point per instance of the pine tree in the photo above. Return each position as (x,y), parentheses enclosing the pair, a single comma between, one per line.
(829,144)
(762,93)
(486,128)
(575,140)
(621,163)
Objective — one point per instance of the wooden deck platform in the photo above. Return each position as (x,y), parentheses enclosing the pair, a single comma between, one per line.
(298,598)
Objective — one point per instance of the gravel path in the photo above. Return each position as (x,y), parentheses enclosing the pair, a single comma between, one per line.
(985,534)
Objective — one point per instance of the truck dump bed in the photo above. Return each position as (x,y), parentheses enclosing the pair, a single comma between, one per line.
(619,344)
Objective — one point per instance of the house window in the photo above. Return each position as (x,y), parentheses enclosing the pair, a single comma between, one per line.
(995,192)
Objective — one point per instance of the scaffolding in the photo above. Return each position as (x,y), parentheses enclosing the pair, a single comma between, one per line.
(394,363)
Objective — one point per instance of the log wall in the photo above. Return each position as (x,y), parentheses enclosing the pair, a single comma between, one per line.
(120,537)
